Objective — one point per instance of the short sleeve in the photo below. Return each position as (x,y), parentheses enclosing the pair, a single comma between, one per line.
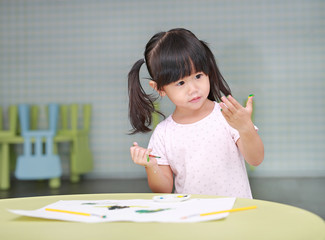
(157,144)
(235,134)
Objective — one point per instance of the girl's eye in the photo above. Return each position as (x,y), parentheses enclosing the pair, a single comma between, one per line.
(180,83)
(198,76)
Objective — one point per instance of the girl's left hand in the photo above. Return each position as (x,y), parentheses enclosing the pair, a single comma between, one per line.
(236,115)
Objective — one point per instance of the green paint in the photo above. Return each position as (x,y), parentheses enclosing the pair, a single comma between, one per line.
(152,211)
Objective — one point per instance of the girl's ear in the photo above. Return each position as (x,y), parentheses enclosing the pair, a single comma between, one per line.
(153,84)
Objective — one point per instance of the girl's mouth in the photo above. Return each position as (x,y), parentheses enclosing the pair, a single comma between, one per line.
(195,100)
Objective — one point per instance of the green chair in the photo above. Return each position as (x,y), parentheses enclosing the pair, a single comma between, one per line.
(13,118)
(81,158)
(7,150)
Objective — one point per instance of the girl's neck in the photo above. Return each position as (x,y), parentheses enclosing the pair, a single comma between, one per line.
(186,116)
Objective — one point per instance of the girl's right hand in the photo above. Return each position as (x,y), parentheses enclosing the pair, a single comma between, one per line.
(141,157)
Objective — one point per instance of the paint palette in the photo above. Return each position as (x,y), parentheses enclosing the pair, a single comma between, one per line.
(172,198)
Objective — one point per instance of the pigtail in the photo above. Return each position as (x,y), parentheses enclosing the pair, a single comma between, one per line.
(218,84)
(141,104)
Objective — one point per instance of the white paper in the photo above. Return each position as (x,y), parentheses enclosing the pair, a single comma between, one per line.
(137,210)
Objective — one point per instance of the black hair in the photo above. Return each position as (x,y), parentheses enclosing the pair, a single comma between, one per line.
(171,56)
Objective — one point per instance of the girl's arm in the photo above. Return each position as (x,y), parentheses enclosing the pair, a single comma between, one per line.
(251,146)
(160,177)
(238,117)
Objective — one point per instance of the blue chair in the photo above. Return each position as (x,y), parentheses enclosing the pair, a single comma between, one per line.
(38,165)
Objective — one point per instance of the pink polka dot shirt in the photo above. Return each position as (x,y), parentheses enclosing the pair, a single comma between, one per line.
(203,156)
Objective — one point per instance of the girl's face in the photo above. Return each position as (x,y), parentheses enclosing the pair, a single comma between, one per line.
(188,93)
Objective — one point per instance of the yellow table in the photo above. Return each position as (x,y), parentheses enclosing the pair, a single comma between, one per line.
(269,221)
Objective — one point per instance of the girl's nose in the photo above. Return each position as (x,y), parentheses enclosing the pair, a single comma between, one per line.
(192,87)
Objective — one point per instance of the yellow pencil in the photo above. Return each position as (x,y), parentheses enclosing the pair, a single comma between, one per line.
(73,212)
(223,211)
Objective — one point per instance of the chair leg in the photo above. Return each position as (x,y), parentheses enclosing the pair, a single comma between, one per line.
(81,160)
(5,171)
(55,182)
(74,178)
(12,157)
(74,175)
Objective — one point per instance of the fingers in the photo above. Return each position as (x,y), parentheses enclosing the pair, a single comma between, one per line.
(139,154)
(232,105)
(249,103)
(232,110)
(229,105)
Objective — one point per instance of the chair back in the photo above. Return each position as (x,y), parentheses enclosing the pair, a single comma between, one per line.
(40,163)
(81,158)
(12,119)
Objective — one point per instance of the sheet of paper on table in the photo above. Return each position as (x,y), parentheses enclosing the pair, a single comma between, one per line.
(135,210)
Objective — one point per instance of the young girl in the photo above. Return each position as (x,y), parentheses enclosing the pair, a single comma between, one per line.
(202,144)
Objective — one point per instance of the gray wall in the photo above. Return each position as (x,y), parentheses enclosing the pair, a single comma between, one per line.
(81,51)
